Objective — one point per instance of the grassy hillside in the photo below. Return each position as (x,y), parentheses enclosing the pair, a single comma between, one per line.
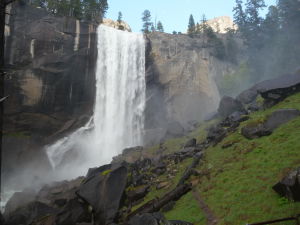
(236,182)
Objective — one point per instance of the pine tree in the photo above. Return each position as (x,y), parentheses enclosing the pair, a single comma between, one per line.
(160,27)
(152,28)
(146,18)
(120,16)
(252,11)
(239,14)
(191,26)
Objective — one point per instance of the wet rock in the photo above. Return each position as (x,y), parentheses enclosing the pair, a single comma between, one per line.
(248,95)
(280,117)
(160,168)
(148,219)
(252,131)
(275,90)
(211,116)
(29,213)
(216,134)
(19,199)
(168,207)
(137,193)
(289,186)
(104,193)
(229,105)
(95,171)
(275,120)
(74,212)
(190,143)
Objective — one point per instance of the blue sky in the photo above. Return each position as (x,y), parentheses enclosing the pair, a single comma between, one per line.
(173,14)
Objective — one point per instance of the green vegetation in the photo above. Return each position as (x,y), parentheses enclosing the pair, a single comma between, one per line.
(236,182)
(92,10)
(273,41)
(105,172)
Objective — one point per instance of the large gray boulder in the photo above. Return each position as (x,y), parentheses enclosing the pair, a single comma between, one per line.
(289,186)
(276,119)
(29,213)
(104,192)
(229,105)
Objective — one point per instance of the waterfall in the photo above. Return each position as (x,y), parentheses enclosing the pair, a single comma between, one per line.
(118,118)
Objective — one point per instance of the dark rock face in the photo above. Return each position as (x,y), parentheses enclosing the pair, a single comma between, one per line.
(275,120)
(50,81)
(289,186)
(29,213)
(190,143)
(273,91)
(255,131)
(228,106)
(74,212)
(104,193)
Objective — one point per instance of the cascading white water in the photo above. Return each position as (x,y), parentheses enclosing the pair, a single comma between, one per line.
(118,119)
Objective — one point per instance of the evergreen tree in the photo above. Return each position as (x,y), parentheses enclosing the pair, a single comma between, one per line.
(252,10)
(146,18)
(191,26)
(152,28)
(239,14)
(120,16)
(160,27)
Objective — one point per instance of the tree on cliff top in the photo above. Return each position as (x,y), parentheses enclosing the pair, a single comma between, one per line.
(160,27)
(191,26)
(146,18)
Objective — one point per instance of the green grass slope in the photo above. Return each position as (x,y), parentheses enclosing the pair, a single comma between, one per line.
(237,181)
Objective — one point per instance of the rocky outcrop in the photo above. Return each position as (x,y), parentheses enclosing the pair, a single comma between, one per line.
(181,74)
(221,24)
(276,119)
(289,186)
(274,90)
(228,106)
(115,24)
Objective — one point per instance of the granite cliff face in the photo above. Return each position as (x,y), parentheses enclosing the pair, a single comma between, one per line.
(50,83)
(181,74)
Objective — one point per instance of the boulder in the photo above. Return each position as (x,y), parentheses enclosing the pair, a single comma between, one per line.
(19,199)
(74,212)
(272,122)
(104,193)
(190,143)
(29,213)
(137,193)
(148,219)
(289,186)
(252,131)
(216,134)
(279,88)
(248,96)
(229,105)
(280,117)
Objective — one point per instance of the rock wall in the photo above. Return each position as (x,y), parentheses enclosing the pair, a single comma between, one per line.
(181,74)
(50,82)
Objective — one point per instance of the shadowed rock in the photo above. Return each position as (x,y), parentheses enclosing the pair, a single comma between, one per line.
(229,105)
(104,193)
(289,186)
(275,120)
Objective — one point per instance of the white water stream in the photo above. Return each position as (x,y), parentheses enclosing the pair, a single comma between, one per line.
(118,119)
